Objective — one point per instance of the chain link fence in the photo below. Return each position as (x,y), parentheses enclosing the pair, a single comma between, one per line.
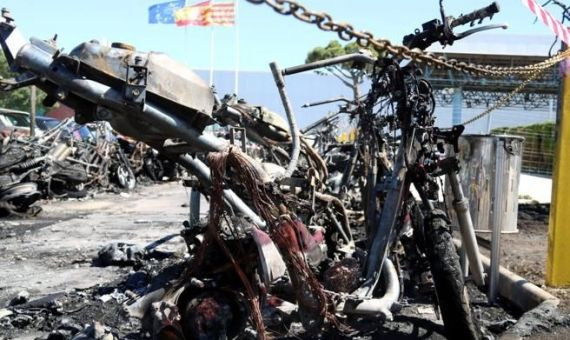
(538,149)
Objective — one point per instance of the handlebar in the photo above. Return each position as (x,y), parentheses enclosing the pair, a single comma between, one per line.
(479,14)
(326,101)
(436,30)
(353,57)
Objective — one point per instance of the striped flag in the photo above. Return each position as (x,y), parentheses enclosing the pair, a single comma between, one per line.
(196,15)
(547,18)
(223,14)
(206,14)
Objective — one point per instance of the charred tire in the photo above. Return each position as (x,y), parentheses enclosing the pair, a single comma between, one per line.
(125,177)
(450,288)
(153,168)
(212,314)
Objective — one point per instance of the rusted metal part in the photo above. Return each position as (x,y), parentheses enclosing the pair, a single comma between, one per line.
(339,206)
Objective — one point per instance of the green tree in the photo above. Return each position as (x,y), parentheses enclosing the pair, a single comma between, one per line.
(346,73)
(18,99)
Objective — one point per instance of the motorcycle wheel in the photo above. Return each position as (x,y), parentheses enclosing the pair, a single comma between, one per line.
(153,168)
(125,177)
(451,292)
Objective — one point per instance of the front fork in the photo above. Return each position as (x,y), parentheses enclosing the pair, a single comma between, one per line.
(391,213)
(469,240)
(466,229)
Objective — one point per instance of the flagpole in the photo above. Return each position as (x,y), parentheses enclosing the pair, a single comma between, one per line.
(236,68)
(186,44)
(211,56)
(188,61)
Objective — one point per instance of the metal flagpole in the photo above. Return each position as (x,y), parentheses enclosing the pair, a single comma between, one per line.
(211,56)
(188,61)
(236,75)
(186,37)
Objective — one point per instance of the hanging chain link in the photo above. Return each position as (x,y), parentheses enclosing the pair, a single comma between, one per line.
(506,98)
(365,39)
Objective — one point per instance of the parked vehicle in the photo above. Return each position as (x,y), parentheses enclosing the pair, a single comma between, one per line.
(14,122)
(46,123)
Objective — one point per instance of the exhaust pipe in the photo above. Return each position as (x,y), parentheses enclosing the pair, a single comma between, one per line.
(377,306)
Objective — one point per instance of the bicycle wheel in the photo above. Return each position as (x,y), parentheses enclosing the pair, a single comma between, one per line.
(450,287)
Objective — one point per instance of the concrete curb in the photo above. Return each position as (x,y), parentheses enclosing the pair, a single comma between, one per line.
(516,289)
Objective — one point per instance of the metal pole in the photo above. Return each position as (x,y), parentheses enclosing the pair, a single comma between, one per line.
(498,208)
(32,111)
(236,75)
(353,57)
(211,56)
(194,206)
(296,141)
(557,268)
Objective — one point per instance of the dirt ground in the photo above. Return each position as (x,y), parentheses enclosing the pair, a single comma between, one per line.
(525,252)
(50,258)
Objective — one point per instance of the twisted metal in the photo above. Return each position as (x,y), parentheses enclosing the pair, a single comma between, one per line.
(366,39)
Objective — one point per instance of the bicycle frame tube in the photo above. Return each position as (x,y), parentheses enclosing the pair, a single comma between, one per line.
(384,233)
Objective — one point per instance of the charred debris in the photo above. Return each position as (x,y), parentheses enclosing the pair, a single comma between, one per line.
(72,161)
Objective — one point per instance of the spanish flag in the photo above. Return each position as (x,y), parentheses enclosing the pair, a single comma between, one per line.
(199,14)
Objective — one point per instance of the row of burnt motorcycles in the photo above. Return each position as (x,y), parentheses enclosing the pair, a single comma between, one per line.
(71,161)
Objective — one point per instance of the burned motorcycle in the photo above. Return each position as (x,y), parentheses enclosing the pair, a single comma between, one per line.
(33,168)
(105,161)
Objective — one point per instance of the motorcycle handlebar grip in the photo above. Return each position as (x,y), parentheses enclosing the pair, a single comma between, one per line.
(479,14)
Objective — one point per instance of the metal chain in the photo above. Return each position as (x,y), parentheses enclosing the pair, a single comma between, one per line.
(505,99)
(365,39)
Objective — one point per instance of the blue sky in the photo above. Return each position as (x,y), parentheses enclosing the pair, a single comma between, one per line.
(264,35)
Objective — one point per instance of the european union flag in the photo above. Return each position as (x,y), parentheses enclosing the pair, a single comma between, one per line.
(164,13)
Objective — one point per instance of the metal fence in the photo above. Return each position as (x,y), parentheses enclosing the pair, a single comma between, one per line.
(538,147)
